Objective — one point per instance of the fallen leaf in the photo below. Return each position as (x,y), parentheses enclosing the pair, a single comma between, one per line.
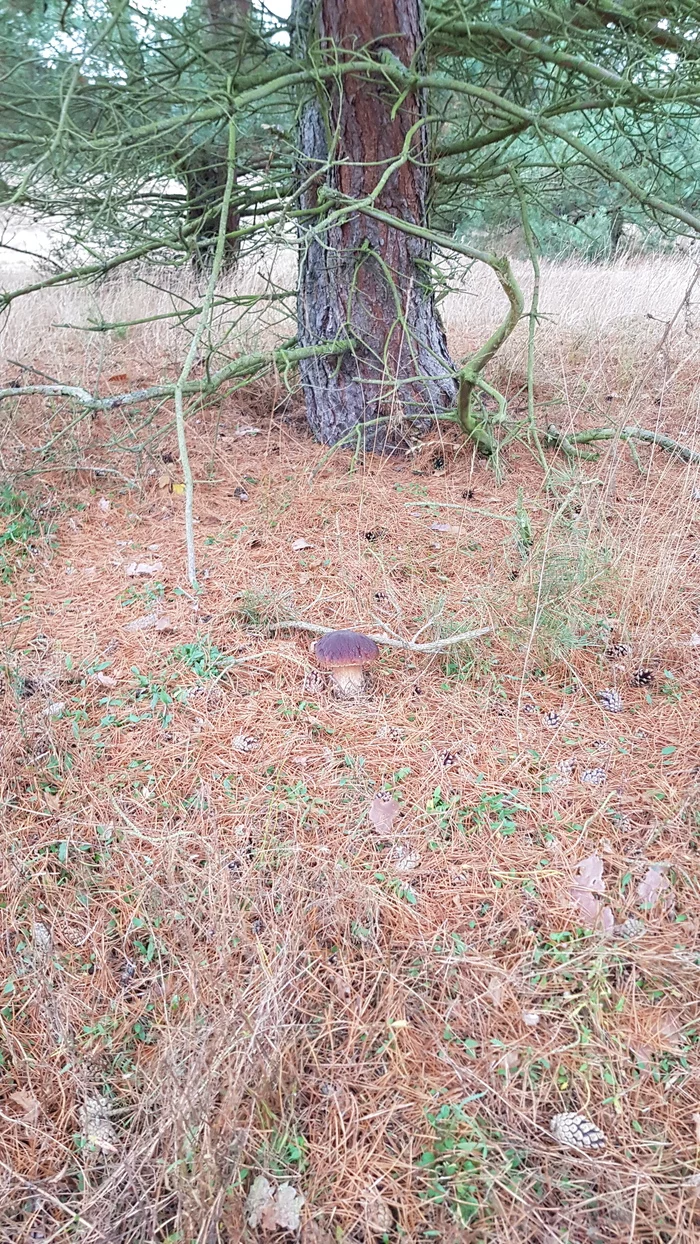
(696,1121)
(607,921)
(164,481)
(118,375)
(104,505)
(653,885)
(314,1233)
(52,801)
(137,570)
(259,1199)
(301,544)
(146,623)
(670,1032)
(587,883)
(642,1052)
(531,1018)
(445,527)
(178,489)
(28,1105)
(105,680)
(342,987)
(163,624)
(495,990)
(383,811)
(285,1212)
(273,1208)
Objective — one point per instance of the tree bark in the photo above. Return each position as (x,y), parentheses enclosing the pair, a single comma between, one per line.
(361,277)
(204,170)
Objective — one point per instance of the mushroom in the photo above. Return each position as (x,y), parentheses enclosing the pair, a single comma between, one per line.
(345,654)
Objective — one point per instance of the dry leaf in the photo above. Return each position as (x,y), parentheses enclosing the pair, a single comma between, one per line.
(104,505)
(495,990)
(653,884)
(118,375)
(259,1199)
(105,680)
(164,481)
(383,811)
(696,1121)
(52,802)
(587,883)
(642,1052)
(137,570)
(28,1105)
(301,544)
(342,987)
(273,1208)
(445,527)
(284,1213)
(314,1233)
(671,1033)
(531,1018)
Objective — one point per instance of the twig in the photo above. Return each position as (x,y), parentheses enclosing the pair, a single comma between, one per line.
(407,645)
(532,317)
(202,323)
(570,442)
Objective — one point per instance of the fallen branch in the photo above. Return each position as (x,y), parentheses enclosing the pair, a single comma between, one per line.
(249,363)
(569,442)
(407,645)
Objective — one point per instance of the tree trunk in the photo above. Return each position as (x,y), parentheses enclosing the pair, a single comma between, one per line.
(204,170)
(361,277)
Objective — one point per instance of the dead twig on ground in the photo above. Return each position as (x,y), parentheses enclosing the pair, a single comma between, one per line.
(409,645)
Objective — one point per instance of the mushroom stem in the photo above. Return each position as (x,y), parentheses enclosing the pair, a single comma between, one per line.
(348,679)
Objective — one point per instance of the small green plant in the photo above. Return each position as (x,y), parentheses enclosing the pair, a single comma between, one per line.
(670,688)
(458,1165)
(19,531)
(203,657)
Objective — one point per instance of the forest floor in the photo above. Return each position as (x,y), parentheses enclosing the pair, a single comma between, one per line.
(225,959)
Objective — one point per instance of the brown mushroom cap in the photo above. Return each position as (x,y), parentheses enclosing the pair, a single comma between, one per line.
(343,648)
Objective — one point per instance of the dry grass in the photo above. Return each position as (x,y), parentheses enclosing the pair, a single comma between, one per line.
(218,943)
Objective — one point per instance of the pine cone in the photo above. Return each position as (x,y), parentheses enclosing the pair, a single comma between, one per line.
(594,777)
(576,1131)
(614,651)
(244,743)
(552,719)
(611,700)
(642,677)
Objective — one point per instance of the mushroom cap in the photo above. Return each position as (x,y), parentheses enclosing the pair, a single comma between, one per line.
(345,648)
